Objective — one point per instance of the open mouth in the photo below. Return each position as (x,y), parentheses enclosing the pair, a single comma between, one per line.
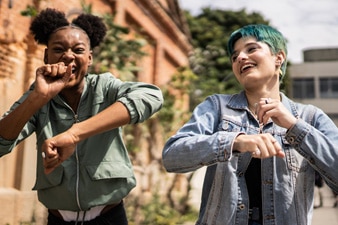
(246,67)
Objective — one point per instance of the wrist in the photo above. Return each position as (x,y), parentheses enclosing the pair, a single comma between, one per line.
(75,133)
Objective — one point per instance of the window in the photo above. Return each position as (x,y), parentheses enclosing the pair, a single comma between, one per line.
(303,88)
(328,87)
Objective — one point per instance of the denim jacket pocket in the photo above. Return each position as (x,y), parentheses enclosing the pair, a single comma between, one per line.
(109,170)
(51,180)
(226,124)
(295,161)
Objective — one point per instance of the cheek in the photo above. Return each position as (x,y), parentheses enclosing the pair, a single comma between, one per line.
(234,68)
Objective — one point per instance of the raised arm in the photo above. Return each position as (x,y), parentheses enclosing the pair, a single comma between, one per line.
(50,80)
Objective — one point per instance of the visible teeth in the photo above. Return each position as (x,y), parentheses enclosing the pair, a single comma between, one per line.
(246,66)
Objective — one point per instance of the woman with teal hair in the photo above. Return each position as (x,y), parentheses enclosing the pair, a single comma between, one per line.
(260,148)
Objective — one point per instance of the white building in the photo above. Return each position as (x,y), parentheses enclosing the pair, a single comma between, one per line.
(316,80)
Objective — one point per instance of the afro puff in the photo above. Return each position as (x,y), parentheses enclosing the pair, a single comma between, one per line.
(46,23)
(49,20)
(93,26)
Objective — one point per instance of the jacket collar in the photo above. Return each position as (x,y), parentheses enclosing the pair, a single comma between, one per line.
(240,102)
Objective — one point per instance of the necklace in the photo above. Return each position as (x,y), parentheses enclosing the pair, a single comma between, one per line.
(252,109)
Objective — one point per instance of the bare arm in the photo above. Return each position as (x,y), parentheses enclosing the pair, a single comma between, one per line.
(50,80)
(58,148)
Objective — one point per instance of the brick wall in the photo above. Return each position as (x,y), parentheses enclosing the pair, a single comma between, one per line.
(20,56)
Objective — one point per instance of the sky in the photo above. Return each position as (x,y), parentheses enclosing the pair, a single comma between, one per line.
(306,24)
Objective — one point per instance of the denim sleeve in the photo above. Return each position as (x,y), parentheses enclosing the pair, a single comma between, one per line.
(199,142)
(317,141)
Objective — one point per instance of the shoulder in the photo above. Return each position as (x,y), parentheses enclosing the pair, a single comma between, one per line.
(100,77)
(215,103)
(307,112)
(228,100)
(103,79)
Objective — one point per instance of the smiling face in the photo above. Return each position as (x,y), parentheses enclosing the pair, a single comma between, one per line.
(70,45)
(253,63)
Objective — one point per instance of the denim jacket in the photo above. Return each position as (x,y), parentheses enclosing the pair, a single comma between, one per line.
(287,183)
(99,172)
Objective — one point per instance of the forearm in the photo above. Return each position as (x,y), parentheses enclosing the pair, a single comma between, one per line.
(112,117)
(318,147)
(12,124)
(184,153)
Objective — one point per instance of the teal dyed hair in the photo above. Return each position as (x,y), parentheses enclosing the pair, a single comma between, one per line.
(263,33)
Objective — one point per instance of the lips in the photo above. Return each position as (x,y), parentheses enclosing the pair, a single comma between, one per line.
(246,67)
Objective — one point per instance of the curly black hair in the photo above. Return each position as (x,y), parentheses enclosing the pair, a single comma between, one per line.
(48,20)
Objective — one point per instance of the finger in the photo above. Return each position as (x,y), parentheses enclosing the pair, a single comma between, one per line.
(68,72)
(267,146)
(279,150)
(256,153)
(51,164)
(261,109)
(62,69)
(50,169)
(54,70)
(266,105)
(264,151)
(280,154)
(46,70)
(50,161)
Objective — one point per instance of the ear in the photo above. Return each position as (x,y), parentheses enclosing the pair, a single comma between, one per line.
(45,57)
(280,58)
(90,57)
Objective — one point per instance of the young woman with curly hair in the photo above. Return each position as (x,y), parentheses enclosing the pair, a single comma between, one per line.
(83,167)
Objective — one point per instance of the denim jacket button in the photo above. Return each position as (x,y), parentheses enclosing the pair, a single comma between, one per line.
(292,139)
(241,206)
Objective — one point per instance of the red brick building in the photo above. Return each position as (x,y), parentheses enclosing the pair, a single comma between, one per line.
(162,24)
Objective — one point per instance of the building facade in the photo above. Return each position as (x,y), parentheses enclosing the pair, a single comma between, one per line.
(315,81)
(161,22)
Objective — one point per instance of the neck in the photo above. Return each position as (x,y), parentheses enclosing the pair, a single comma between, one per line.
(254,97)
(72,98)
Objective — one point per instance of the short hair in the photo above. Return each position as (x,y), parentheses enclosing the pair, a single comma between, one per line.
(263,33)
(49,20)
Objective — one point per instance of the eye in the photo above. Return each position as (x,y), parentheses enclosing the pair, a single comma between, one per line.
(79,50)
(234,57)
(57,49)
(251,49)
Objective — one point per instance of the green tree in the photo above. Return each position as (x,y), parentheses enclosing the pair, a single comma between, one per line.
(210,31)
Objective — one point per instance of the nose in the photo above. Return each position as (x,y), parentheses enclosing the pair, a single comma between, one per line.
(241,57)
(68,56)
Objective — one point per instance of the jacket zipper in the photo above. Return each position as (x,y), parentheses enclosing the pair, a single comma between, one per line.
(76,120)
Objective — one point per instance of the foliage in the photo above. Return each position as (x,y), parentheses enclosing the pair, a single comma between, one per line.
(29,11)
(181,82)
(116,53)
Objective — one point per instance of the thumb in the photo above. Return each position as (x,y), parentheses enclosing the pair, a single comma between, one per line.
(281,154)
(68,72)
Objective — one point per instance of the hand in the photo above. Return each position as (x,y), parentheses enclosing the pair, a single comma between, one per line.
(273,109)
(57,149)
(51,79)
(260,145)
